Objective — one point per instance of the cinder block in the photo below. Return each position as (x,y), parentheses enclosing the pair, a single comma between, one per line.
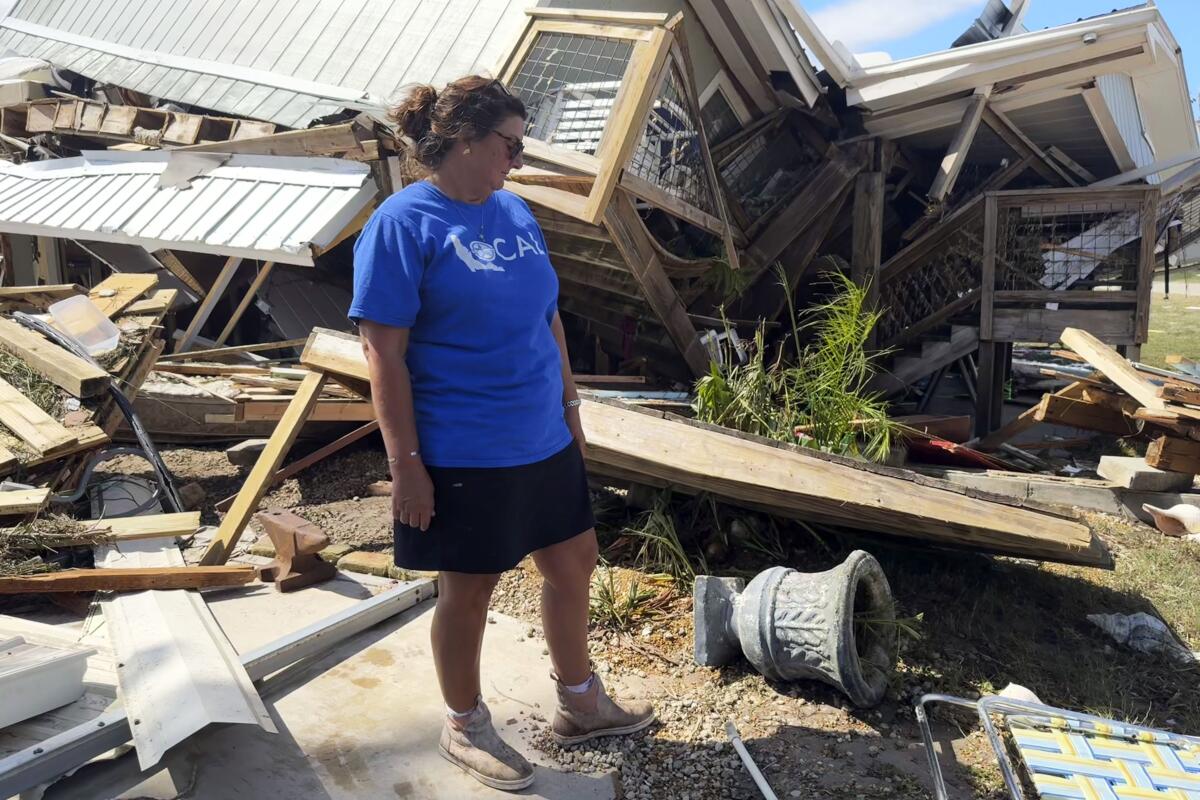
(244,454)
(1136,474)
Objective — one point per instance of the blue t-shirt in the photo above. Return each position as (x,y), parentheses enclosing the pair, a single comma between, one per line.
(486,369)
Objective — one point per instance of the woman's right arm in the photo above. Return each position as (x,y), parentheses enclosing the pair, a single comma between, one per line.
(391,394)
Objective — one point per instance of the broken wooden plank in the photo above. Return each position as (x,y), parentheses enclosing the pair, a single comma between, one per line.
(1177,393)
(40,297)
(789,481)
(129,579)
(1019,424)
(210,303)
(259,479)
(1079,413)
(956,152)
(42,432)
(177,268)
(1114,367)
(116,292)
(220,352)
(263,272)
(1174,455)
(1134,473)
(23,501)
(64,369)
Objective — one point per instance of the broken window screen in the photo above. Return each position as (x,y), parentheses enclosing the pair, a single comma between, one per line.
(568,83)
(766,171)
(720,121)
(669,154)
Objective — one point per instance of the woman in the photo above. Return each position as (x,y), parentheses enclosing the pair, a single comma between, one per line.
(456,303)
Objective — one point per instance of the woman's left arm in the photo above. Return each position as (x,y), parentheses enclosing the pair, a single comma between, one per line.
(570,393)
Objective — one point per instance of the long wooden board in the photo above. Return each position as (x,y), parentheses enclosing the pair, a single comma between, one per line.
(23,501)
(60,367)
(42,432)
(786,480)
(130,579)
(1114,366)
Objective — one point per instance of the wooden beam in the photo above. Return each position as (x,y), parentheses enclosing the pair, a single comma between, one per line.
(1109,130)
(42,432)
(1014,427)
(116,292)
(1023,146)
(866,252)
(128,579)
(221,352)
(206,308)
(632,240)
(1084,174)
(176,267)
(1078,413)
(259,479)
(1145,268)
(61,367)
(960,145)
(247,298)
(1109,362)
(23,501)
(1174,455)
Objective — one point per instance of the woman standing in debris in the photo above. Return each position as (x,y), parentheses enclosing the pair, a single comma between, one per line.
(456,302)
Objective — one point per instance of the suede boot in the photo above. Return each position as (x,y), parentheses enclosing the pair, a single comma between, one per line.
(581,717)
(476,748)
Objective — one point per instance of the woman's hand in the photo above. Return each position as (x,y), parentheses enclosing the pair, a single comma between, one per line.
(412,495)
(575,425)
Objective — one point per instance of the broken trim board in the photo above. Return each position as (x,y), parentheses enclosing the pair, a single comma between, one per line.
(177,671)
(789,481)
(1136,474)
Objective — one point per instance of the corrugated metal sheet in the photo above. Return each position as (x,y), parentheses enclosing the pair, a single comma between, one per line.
(298,301)
(288,62)
(1123,104)
(269,207)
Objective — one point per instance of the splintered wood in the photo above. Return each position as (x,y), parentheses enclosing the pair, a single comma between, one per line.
(1123,399)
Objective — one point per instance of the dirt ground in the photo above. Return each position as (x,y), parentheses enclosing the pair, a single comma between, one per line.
(973,624)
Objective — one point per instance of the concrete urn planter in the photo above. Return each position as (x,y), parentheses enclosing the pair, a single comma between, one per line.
(834,626)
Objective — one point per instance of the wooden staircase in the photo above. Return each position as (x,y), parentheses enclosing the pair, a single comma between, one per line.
(924,358)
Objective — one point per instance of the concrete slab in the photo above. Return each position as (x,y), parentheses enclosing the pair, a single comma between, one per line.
(1136,474)
(360,722)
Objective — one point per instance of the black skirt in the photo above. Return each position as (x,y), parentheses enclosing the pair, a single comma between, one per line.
(489,518)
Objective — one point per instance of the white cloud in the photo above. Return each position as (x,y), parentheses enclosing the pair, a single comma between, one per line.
(863,23)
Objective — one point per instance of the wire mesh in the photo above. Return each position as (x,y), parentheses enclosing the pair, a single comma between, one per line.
(568,83)
(767,170)
(1183,213)
(669,154)
(1077,245)
(951,271)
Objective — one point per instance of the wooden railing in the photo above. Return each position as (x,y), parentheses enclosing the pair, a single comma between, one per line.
(1026,264)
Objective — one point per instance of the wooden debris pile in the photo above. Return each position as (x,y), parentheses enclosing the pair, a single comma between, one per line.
(1122,398)
(57,408)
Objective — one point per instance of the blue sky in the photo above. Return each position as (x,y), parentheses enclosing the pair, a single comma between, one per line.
(904,28)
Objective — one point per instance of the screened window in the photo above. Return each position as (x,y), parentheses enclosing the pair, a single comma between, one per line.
(720,120)
(568,83)
(669,153)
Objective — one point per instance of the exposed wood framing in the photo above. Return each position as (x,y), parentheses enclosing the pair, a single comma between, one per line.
(263,272)
(866,251)
(631,238)
(1108,127)
(346,140)
(1082,172)
(259,479)
(210,302)
(217,353)
(176,267)
(1114,367)
(1023,146)
(960,145)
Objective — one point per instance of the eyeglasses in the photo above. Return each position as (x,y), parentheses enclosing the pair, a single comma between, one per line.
(515,146)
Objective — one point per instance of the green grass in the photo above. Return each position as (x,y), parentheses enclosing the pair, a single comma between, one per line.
(1173,328)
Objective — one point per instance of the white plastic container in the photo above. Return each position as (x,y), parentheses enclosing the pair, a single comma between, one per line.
(36,678)
(78,317)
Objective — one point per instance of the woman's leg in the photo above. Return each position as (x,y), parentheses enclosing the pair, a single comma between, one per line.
(566,570)
(457,634)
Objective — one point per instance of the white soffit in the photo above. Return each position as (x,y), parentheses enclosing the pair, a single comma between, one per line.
(176,670)
(274,208)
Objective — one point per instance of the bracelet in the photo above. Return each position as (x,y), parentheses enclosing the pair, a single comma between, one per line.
(573,403)
(394,459)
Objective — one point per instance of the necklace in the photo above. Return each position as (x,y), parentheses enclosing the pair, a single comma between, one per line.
(463,217)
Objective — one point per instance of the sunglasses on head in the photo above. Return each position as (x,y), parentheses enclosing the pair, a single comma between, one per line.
(516,146)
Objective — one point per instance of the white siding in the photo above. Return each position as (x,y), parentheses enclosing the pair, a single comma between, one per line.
(1123,104)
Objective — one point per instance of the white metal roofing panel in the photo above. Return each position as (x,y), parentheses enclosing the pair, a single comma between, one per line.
(273,208)
(288,62)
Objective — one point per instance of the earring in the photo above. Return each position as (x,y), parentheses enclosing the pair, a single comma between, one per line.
(467,152)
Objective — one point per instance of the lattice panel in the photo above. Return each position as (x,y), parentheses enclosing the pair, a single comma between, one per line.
(954,269)
(1068,245)
(568,83)
(669,154)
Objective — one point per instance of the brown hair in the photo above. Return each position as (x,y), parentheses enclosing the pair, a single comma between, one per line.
(467,109)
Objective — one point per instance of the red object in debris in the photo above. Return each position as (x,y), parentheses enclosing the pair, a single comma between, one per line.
(940,451)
